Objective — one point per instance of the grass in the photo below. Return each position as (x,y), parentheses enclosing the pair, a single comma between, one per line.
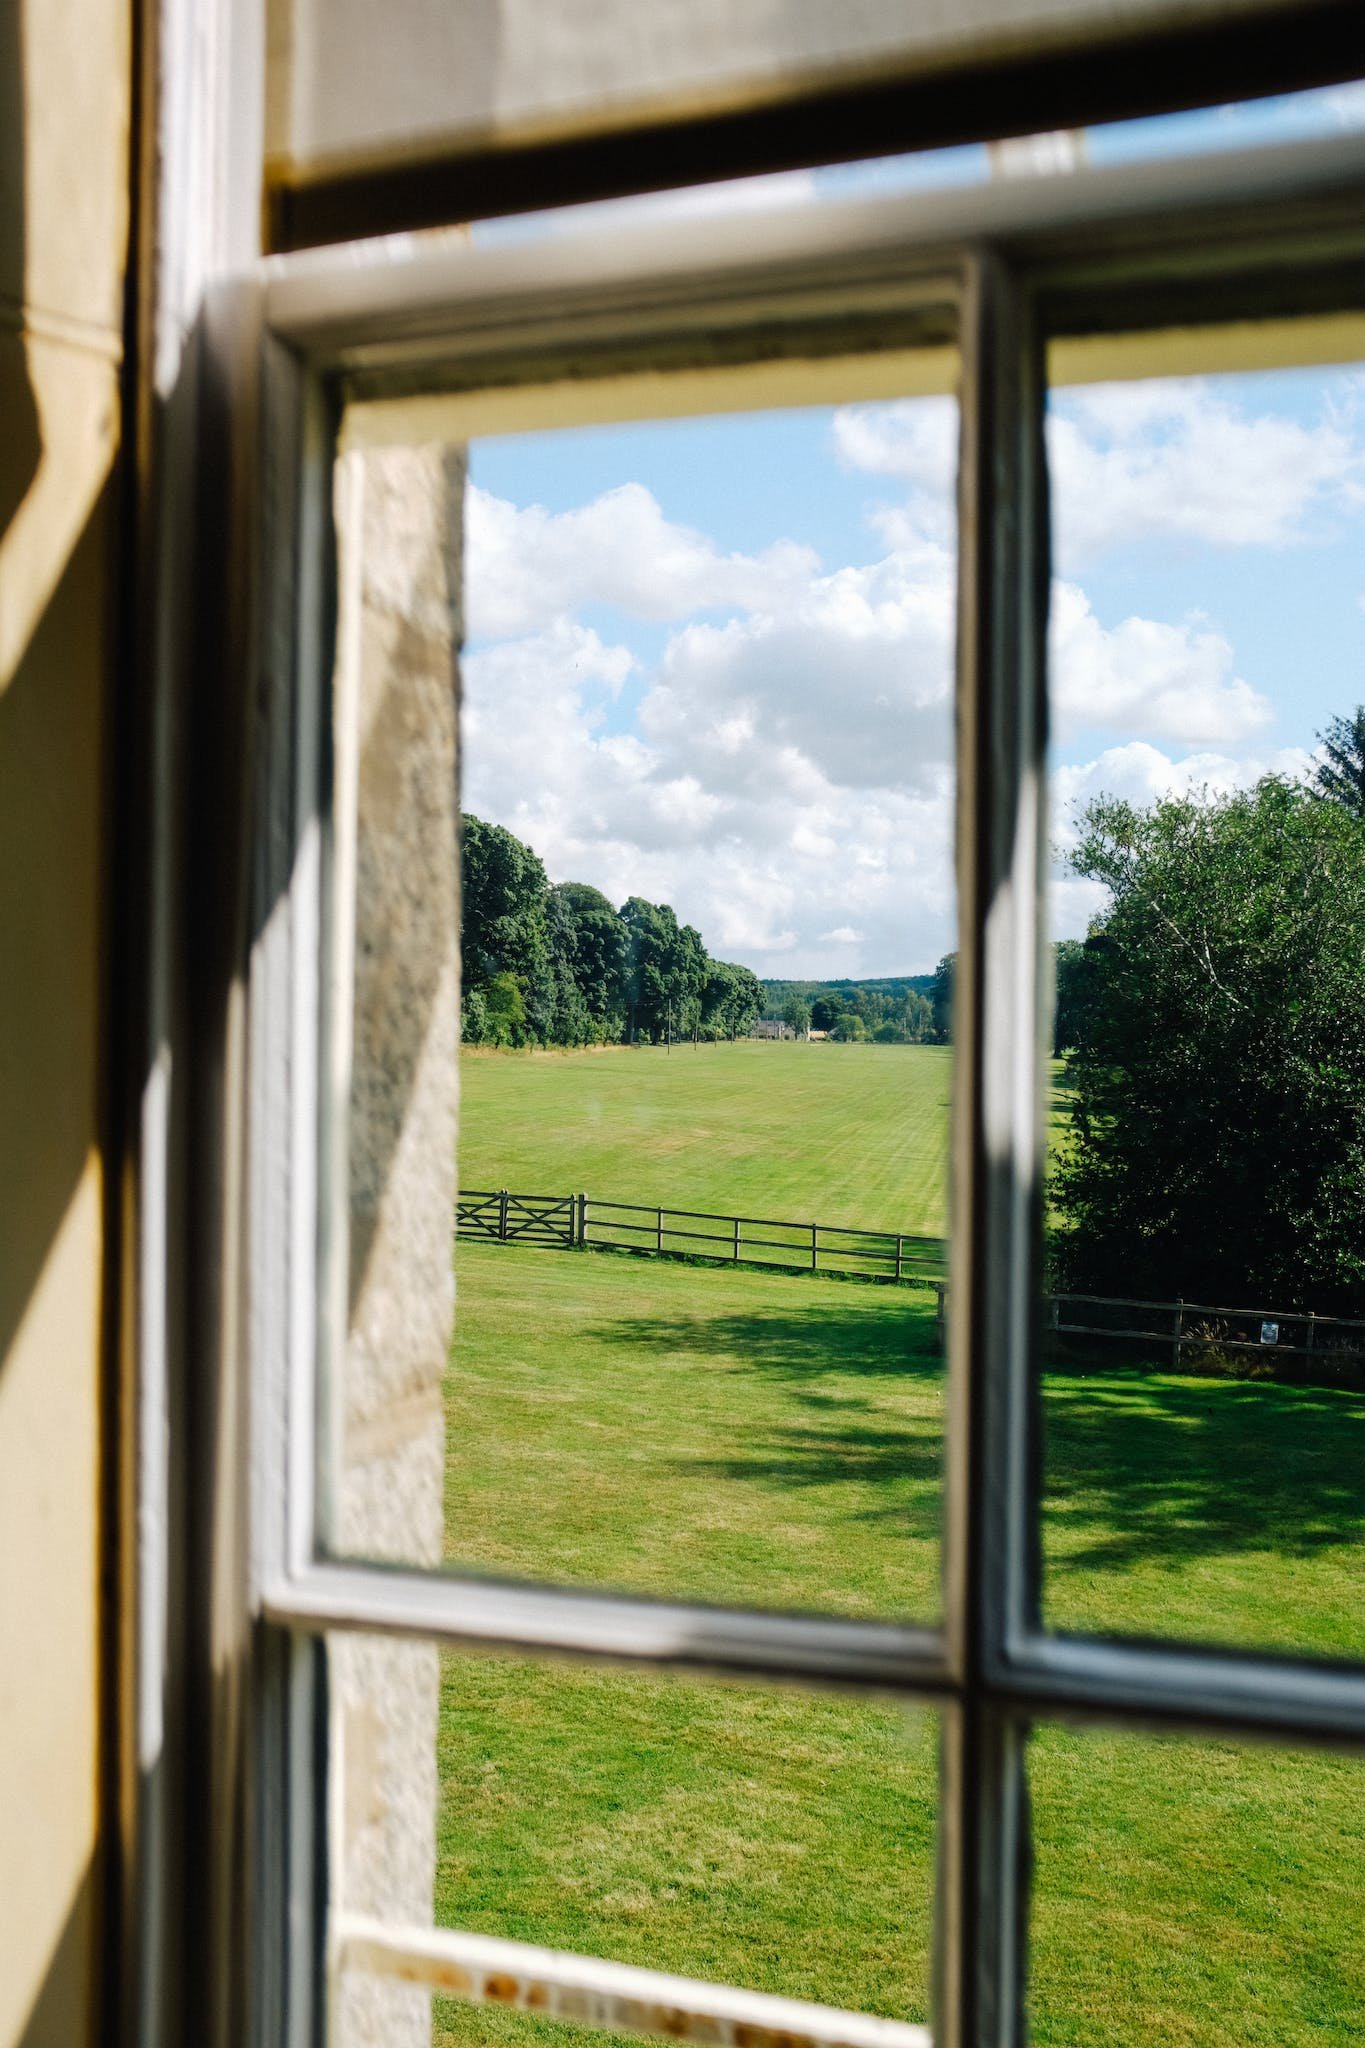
(745,1437)
(777,1439)
(848,1134)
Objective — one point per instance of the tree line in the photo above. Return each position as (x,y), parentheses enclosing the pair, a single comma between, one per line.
(1211,1034)
(556,964)
(1216,1062)
(857,1015)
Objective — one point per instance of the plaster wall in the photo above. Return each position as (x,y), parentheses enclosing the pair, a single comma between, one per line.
(64,180)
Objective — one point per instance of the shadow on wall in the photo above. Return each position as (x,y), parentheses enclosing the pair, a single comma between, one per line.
(60,2011)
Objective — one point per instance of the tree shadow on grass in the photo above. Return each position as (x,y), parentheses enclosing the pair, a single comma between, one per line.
(885,1343)
(847,1436)
(859,1446)
(1148,1468)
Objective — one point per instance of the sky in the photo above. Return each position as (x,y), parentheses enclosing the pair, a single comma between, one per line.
(709,662)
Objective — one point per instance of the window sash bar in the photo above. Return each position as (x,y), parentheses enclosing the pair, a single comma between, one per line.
(374,311)
(439,1606)
(486,1970)
(1140,1684)
(990,1551)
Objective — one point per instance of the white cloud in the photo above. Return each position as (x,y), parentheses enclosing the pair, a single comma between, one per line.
(1146,676)
(1174,457)
(785,779)
(525,567)
(849,682)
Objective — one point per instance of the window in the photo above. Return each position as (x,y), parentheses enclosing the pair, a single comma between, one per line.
(1098,275)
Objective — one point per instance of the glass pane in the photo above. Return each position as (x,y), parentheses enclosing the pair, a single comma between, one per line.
(1204,1397)
(1194,1892)
(756,1836)
(707,815)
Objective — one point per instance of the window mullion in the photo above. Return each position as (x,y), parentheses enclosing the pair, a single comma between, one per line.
(990,1562)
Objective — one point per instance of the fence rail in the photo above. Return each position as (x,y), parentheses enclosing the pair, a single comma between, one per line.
(583,1222)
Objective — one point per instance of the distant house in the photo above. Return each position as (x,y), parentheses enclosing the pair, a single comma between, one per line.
(814,1036)
(767,1027)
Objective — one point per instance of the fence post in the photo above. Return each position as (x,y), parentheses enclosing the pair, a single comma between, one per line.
(814,1227)
(1312,1320)
(502,1215)
(736,1224)
(659,1231)
(1176,1333)
(900,1253)
(582,1221)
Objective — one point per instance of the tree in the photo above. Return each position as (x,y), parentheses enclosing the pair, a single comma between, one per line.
(503,927)
(1218,1125)
(667,970)
(1071,972)
(1341,777)
(941,998)
(825,1012)
(731,1000)
(849,1028)
(599,948)
(796,1015)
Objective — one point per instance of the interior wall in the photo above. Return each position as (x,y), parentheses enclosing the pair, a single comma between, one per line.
(65,82)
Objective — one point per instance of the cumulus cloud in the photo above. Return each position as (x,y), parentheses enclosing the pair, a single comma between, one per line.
(1177,457)
(780,770)
(1174,457)
(525,567)
(1145,675)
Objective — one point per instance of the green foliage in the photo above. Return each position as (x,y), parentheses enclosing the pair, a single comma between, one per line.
(731,1000)
(894,1011)
(1341,777)
(504,931)
(1071,979)
(597,947)
(941,998)
(1218,1119)
(584,973)
(849,1028)
(796,1015)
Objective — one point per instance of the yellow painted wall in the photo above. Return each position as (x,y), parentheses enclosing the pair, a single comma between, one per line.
(64,181)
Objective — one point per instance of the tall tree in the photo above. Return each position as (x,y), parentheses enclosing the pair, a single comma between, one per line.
(941,998)
(796,1015)
(1218,1128)
(503,927)
(1342,775)
(600,953)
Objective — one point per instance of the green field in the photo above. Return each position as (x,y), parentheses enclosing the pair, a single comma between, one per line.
(776,1439)
(826,1133)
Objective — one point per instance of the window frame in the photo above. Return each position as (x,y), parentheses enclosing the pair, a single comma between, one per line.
(1011,267)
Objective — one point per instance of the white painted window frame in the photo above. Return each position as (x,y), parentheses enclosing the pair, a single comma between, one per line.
(1078,264)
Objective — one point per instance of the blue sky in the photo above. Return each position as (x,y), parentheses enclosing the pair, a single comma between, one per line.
(709,660)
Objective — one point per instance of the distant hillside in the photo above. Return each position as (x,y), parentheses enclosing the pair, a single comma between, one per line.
(776,994)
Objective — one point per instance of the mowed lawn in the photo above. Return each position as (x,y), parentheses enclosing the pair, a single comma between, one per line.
(776,1439)
(851,1134)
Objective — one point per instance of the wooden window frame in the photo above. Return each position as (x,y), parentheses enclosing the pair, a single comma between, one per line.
(1087,263)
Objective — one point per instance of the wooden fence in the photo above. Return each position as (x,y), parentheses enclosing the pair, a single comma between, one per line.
(1171,1328)
(588,1222)
(1182,1326)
